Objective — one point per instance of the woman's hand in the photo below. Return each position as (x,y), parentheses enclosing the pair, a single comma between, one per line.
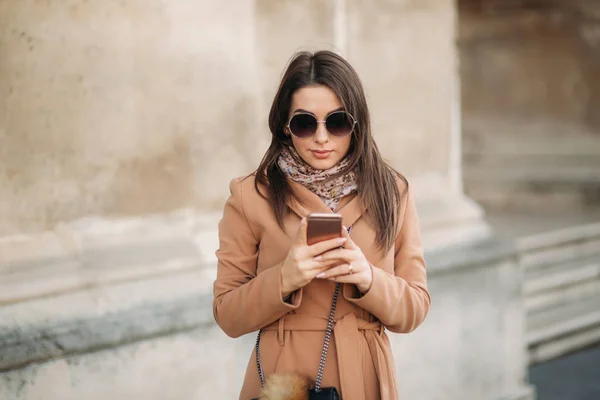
(354,268)
(300,266)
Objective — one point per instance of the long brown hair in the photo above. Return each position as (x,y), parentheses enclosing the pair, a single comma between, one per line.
(377,188)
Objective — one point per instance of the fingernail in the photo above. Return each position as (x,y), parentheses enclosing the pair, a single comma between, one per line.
(321,275)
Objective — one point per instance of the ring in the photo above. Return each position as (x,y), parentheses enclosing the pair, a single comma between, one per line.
(350,269)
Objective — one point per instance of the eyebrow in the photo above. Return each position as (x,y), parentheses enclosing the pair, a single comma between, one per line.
(301,110)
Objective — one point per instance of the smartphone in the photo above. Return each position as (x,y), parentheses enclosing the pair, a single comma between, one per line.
(322,226)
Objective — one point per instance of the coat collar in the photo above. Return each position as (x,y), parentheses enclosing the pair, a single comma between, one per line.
(303,202)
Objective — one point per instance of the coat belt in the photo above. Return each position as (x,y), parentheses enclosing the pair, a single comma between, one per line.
(346,336)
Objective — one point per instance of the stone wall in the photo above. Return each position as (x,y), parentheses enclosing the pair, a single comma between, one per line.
(410,72)
(114,108)
(162,342)
(123,107)
(120,127)
(530,75)
(523,62)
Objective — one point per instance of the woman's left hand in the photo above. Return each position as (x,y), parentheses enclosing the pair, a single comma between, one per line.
(355,268)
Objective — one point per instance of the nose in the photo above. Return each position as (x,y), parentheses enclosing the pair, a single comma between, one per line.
(321,135)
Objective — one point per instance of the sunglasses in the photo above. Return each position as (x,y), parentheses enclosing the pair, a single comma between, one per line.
(338,123)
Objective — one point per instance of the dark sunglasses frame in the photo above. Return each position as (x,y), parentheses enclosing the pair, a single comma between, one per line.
(351,118)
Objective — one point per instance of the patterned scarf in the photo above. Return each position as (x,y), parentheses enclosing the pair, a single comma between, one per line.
(320,182)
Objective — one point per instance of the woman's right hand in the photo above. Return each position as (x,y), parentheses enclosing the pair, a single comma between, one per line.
(300,267)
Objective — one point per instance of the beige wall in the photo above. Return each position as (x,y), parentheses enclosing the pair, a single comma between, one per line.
(405,54)
(530,99)
(530,63)
(134,107)
(121,107)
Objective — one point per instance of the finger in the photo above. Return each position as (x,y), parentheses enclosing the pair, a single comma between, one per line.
(348,278)
(319,271)
(312,264)
(301,235)
(342,269)
(337,254)
(349,243)
(326,245)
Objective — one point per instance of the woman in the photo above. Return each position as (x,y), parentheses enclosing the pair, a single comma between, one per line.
(322,158)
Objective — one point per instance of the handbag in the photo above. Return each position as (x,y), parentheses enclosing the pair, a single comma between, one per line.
(316,393)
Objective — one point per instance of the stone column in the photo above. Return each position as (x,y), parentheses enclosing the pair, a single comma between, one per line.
(117,108)
(120,122)
(406,55)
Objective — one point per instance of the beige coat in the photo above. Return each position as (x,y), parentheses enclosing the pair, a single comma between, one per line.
(247,295)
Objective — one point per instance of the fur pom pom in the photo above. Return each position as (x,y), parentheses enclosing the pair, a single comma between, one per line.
(285,387)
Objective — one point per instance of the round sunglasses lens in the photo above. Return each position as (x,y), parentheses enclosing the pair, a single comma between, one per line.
(340,124)
(303,125)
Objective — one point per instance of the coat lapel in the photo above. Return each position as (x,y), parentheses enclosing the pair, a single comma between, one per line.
(303,202)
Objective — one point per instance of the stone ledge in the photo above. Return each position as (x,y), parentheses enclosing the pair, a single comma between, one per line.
(74,239)
(565,254)
(549,324)
(92,252)
(100,251)
(560,296)
(510,173)
(106,316)
(472,255)
(47,342)
(103,317)
(564,345)
(560,237)
(143,313)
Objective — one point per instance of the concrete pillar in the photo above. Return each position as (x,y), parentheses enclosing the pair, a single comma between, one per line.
(406,55)
(122,107)
(410,75)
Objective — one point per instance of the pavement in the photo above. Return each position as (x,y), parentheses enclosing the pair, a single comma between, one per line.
(572,377)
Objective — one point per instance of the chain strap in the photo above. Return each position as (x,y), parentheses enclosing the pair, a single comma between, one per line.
(327,338)
(328,332)
(260,370)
